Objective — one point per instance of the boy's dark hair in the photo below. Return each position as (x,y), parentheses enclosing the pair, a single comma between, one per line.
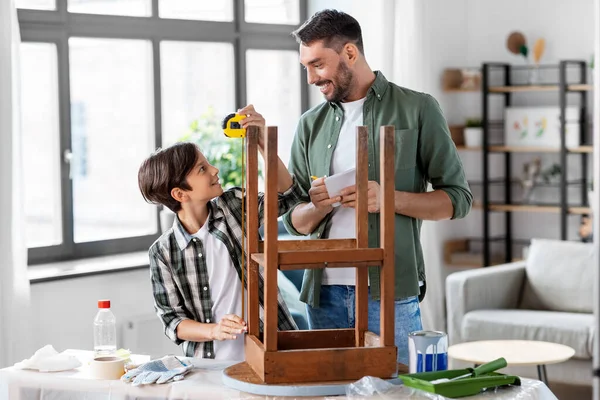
(335,28)
(167,169)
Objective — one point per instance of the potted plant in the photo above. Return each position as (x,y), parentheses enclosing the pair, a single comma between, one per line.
(473,132)
(222,152)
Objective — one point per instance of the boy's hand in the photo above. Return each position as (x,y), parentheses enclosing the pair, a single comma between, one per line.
(227,327)
(319,196)
(253,118)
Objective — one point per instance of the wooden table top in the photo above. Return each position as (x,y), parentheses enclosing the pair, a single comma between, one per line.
(515,352)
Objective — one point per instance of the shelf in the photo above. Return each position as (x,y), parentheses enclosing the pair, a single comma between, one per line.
(468,148)
(580,210)
(578,87)
(459,90)
(500,181)
(577,210)
(457,254)
(523,88)
(582,149)
(517,149)
(524,208)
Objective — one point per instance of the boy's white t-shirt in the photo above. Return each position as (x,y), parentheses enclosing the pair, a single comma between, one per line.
(225,292)
(343,221)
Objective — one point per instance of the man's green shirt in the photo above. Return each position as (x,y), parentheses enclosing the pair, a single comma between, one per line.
(425,153)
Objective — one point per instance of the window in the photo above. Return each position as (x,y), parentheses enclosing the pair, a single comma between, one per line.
(272,11)
(111,134)
(192,87)
(221,10)
(41,159)
(134,8)
(106,82)
(280,105)
(36,4)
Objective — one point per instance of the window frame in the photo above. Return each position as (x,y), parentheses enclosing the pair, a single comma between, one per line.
(57,26)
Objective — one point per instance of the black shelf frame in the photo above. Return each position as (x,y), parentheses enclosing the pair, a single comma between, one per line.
(563,86)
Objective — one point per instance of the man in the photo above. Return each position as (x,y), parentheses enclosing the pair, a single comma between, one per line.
(331,50)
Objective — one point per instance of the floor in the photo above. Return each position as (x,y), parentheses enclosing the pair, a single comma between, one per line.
(571,392)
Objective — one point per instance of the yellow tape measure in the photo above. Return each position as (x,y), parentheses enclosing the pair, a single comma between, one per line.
(232,129)
(231,126)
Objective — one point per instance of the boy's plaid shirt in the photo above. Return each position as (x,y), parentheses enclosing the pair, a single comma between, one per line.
(179,274)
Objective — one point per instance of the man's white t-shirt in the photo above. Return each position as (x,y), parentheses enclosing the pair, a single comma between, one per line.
(225,292)
(343,221)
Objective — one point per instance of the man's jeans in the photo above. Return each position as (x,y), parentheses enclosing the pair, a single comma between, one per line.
(337,308)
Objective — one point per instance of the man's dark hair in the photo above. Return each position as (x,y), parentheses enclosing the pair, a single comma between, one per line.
(335,28)
(167,169)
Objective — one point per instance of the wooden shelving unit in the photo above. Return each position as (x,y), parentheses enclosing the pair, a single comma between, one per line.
(507,89)
(515,149)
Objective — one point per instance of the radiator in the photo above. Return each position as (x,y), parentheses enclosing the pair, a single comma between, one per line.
(144,334)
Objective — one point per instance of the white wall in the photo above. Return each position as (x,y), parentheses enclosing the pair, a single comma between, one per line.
(63,311)
(567,26)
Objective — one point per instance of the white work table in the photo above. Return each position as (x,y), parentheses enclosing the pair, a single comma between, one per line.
(204,382)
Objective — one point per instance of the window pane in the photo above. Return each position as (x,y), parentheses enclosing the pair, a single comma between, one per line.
(112,132)
(193,88)
(272,11)
(280,104)
(36,4)
(41,150)
(220,10)
(135,8)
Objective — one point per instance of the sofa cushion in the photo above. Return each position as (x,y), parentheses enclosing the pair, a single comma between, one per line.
(559,276)
(571,329)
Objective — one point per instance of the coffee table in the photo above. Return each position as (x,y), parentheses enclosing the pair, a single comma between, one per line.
(515,352)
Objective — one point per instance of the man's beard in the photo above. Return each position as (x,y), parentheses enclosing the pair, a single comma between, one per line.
(342,85)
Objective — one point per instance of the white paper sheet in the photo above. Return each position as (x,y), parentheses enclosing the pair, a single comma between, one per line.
(337,182)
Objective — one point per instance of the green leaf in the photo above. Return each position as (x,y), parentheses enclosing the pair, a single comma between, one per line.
(523,50)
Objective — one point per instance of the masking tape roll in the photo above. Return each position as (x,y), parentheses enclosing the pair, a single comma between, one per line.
(107,367)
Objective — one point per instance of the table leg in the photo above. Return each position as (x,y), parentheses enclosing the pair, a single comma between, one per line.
(543,374)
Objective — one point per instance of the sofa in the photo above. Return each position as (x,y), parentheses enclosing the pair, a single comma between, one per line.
(547,297)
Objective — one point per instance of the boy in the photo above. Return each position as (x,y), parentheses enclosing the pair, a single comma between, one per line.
(195,267)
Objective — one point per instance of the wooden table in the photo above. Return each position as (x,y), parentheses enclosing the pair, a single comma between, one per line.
(515,352)
(205,382)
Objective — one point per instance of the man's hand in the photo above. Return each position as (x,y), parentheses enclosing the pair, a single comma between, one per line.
(253,118)
(373,197)
(320,198)
(227,327)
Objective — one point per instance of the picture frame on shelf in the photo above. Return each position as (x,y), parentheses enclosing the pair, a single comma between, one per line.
(540,127)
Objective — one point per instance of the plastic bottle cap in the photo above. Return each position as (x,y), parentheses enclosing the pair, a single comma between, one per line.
(103,303)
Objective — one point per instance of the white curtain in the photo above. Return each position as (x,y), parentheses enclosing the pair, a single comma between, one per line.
(411,68)
(397,39)
(14,285)
(395,35)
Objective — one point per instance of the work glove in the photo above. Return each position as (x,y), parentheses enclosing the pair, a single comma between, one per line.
(166,369)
